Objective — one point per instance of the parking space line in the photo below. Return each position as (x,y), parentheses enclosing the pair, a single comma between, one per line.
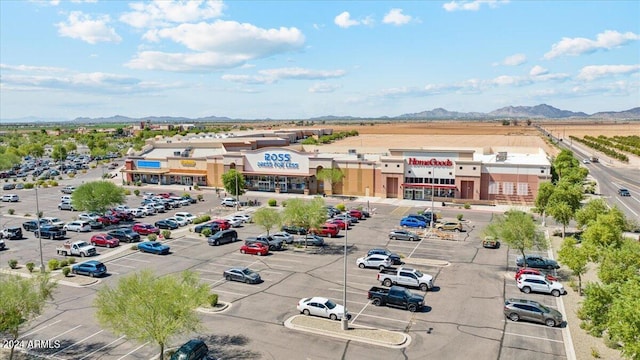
(229,292)
(269,271)
(360,313)
(384,318)
(208,271)
(138,260)
(534,337)
(350,301)
(36,330)
(362,276)
(132,351)
(76,343)
(95,351)
(116,264)
(348,291)
(65,332)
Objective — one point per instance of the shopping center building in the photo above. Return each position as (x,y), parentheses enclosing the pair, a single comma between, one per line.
(276,161)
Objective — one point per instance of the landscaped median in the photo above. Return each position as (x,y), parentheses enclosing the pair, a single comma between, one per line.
(359,333)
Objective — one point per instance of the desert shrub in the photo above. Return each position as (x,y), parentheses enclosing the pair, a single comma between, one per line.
(206,232)
(166,234)
(28,185)
(30,266)
(71,176)
(595,353)
(13,263)
(213,299)
(467,206)
(152,237)
(44,185)
(272,202)
(196,187)
(134,247)
(284,203)
(64,263)
(341,207)
(200,197)
(201,219)
(71,260)
(66,270)
(53,264)
(459,217)
(11,211)
(127,192)
(136,192)
(53,183)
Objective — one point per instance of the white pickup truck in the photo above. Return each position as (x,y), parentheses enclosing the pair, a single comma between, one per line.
(405,277)
(78,248)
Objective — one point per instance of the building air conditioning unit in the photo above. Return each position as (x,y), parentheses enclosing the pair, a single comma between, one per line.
(502,156)
(360,156)
(176,153)
(352,151)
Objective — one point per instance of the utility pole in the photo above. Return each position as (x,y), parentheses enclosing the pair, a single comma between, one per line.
(345,321)
(38,233)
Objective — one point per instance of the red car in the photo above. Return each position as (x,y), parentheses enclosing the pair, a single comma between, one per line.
(530,271)
(104,240)
(329,230)
(255,249)
(123,216)
(145,229)
(339,223)
(222,223)
(356,214)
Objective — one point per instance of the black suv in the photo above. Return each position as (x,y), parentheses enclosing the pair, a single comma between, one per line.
(223,237)
(295,230)
(125,235)
(12,233)
(624,192)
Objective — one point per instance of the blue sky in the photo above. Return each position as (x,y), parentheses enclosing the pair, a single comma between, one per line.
(301,59)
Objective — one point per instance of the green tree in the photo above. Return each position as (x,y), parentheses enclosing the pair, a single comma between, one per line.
(575,258)
(620,265)
(624,322)
(59,152)
(7,160)
(562,213)
(97,196)
(594,312)
(569,193)
(332,175)
(308,214)
(145,308)
(70,146)
(229,180)
(22,300)
(603,235)
(590,211)
(267,218)
(542,199)
(565,161)
(518,230)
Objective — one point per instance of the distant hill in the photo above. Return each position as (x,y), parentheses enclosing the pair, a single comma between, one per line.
(542,111)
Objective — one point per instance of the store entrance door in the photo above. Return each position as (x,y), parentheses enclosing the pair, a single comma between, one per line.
(264,185)
(283,184)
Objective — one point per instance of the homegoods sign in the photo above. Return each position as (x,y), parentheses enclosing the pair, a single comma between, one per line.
(431,162)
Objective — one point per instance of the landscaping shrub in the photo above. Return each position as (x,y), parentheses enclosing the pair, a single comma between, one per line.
(341,207)
(200,197)
(166,234)
(459,217)
(13,263)
(152,237)
(284,203)
(66,270)
(201,219)
(71,260)
(11,211)
(28,185)
(30,266)
(272,202)
(206,232)
(136,192)
(127,192)
(53,264)
(134,247)
(467,206)
(213,300)
(64,263)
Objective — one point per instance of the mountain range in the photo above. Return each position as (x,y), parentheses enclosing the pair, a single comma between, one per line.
(542,111)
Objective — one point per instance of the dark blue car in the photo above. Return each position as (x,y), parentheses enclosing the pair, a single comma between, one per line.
(153,247)
(90,268)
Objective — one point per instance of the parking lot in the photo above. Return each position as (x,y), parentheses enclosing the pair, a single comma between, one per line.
(463,316)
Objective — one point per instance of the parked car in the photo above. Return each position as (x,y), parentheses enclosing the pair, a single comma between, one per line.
(449,225)
(412,222)
(405,277)
(8,186)
(234,222)
(104,240)
(223,237)
(90,268)
(11,233)
(356,214)
(539,283)
(145,229)
(395,258)
(347,218)
(10,198)
(154,247)
(374,261)
(245,218)
(241,274)
(531,271)
(77,226)
(624,192)
(323,307)
(490,242)
(88,216)
(341,224)
(54,221)
(66,206)
(295,230)
(229,202)
(254,249)
(214,227)
(179,220)
(138,212)
(190,217)
(537,262)
(50,232)
(402,234)
(270,242)
(396,296)
(32,225)
(285,237)
(95,225)
(309,240)
(529,310)
(426,217)
(194,349)
(166,224)
(329,230)
(224,224)
(125,235)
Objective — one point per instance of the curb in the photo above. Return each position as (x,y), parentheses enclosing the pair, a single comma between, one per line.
(225,306)
(341,334)
(427,262)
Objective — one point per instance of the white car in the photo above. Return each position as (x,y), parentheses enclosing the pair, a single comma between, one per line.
(320,306)
(123,208)
(10,198)
(230,202)
(245,218)
(88,217)
(77,226)
(53,221)
(539,283)
(374,261)
(190,217)
(138,212)
(148,210)
(234,222)
(180,220)
(285,237)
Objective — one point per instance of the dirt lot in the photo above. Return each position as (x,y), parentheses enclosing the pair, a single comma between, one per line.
(580,130)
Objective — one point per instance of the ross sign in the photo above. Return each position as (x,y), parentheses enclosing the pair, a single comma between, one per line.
(188,163)
(278,160)
(431,162)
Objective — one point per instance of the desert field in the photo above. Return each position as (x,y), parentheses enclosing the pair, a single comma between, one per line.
(606,129)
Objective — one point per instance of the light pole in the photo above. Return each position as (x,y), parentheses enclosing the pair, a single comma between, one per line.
(237,194)
(433,189)
(345,321)
(38,233)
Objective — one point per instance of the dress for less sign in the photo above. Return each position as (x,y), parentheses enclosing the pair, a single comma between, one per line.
(277,161)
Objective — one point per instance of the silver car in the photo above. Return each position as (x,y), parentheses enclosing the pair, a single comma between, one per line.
(519,309)
(402,234)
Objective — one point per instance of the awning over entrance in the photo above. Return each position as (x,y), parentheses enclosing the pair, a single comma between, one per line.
(203,173)
(274,174)
(429,186)
(146,171)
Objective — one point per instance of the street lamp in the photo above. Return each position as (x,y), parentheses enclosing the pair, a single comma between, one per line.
(38,233)
(433,189)
(345,321)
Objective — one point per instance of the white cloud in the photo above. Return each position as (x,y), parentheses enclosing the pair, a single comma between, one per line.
(344,20)
(505,80)
(218,45)
(83,27)
(538,70)
(164,13)
(396,17)
(578,46)
(323,88)
(472,5)
(30,68)
(273,75)
(515,60)
(593,72)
